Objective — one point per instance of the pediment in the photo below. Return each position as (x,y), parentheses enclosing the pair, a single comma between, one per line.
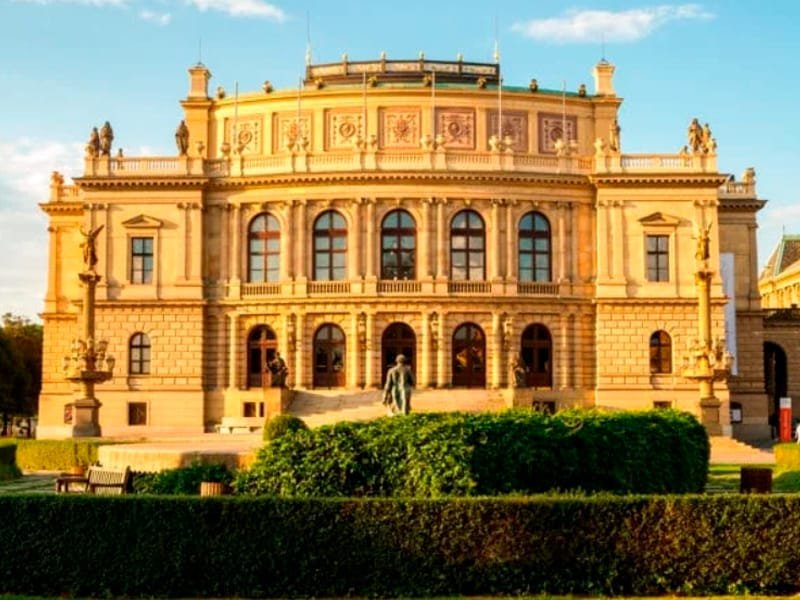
(143,222)
(659,219)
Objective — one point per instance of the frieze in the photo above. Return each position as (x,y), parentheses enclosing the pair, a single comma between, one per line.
(246,135)
(457,127)
(399,128)
(343,129)
(551,129)
(515,127)
(291,130)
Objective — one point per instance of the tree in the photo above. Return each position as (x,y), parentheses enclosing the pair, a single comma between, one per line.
(20,366)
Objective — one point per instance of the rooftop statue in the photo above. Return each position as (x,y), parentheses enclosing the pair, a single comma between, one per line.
(613,138)
(93,145)
(106,138)
(695,136)
(182,138)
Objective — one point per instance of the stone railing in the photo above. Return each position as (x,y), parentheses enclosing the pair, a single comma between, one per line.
(359,160)
(405,286)
(738,189)
(537,288)
(260,289)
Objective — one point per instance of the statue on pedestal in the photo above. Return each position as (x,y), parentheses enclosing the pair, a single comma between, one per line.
(106,138)
(280,372)
(703,253)
(519,372)
(613,138)
(182,138)
(88,246)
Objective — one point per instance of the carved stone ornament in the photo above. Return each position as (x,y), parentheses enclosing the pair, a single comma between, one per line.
(515,129)
(400,128)
(457,125)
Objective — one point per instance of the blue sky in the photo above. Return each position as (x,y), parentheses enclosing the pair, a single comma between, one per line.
(69,65)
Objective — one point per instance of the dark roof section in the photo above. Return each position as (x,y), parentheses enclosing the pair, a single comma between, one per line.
(786,254)
(403,70)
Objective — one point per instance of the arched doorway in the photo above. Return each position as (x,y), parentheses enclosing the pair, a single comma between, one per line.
(262,343)
(469,356)
(398,338)
(775,377)
(537,352)
(329,353)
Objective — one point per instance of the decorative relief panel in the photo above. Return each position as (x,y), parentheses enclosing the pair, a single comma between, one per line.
(286,129)
(343,128)
(399,128)
(551,127)
(457,125)
(245,134)
(515,126)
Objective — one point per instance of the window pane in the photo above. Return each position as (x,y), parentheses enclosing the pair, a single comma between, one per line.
(323,260)
(339,243)
(459,242)
(459,273)
(476,259)
(542,245)
(407,241)
(525,243)
(322,243)
(274,244)
(476,243)
(459,259)
(339,260)
(321,274)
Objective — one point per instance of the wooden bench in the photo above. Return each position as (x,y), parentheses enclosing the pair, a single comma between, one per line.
(97,481)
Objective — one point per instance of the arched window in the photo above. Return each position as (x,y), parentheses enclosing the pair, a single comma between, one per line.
(262,343)
(398,246)
(660,353)
(139,353)
(330,247)
(329,354)
(534,248)
(467,247)
(264,249)
(397,338)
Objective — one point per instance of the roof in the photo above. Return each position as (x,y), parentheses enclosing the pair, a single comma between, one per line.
(785,255)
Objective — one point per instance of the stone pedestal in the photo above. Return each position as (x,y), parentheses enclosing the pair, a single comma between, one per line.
(518,397)
(277,401)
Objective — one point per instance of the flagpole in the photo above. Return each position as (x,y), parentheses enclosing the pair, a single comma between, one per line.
(364,100)
(433,104)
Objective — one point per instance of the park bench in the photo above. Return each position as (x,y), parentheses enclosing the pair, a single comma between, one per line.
(240,424)
(98,481)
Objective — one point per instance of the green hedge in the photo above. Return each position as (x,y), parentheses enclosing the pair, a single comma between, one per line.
(280,425)
(56,455)
(432,455)
(8,462)
(265,547)
(183,481)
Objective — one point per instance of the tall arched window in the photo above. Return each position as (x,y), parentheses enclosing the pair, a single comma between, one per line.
(330,247)
(534,248)
(139,354)
(467,247)
(660,353)
(469,356)
(262,343)
(398,246)
(329,355)
(537,354)
(264,249)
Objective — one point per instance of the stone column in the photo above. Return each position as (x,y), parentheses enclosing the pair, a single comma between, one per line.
(424,240)
(353,353)
(497,349)
(300,246)
(53,269)
(370,380)
(233,350)
(753,292)
(441,237)
(565,368)
(236,245)
(441,359)
(511,241)
(371,245)
(286,243)
(196,243)
(494,237)
(354,246)
(562,243)
(603,241)
(573,235)
(224,234)
(302,347)
(183,245)
(424,354)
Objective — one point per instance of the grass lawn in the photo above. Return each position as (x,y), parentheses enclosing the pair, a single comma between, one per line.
(725,479)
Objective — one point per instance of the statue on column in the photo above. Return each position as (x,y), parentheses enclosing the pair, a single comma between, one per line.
(182,138)
(703,251)
(106,138)
(89,248)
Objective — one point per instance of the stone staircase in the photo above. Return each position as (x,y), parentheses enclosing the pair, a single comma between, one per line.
(725,450)
(325,407)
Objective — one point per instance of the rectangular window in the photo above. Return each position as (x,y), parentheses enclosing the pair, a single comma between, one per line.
(142,260)
(657,257)
(137,413)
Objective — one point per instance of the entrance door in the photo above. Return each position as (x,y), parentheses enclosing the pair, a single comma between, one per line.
(469,356)
(262,344)
(398,338)
(329,349)
(537,352)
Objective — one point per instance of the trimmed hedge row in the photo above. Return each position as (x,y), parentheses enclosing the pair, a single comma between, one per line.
(260,547)
(181,481)
(433,455)
(8,462)
(55,455)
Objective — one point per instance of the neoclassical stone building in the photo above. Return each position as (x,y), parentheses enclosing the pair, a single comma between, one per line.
(407,207)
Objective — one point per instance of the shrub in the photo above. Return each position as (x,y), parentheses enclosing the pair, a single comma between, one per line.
(282,424)
(432,455)
(56,455)
(787,457)
(183,481)
(8,462)
(222,547)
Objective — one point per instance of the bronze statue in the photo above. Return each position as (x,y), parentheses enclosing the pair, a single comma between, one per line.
(106,138)
(703,251)
(695,136)
(88,246)
(399,383)
(182,138)
(93,145)
(519,372)
(280,372)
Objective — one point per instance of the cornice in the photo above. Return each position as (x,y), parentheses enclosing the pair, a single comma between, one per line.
(199,182)
(62,208)
(741,204)
(638,179)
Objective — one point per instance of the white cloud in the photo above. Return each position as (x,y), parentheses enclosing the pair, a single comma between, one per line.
(161,19)
(596,25)
(26,165)
(242,8)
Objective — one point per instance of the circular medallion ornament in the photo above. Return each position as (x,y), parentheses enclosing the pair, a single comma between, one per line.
(455,129)
(245,137)
(347,129)
(555,134)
